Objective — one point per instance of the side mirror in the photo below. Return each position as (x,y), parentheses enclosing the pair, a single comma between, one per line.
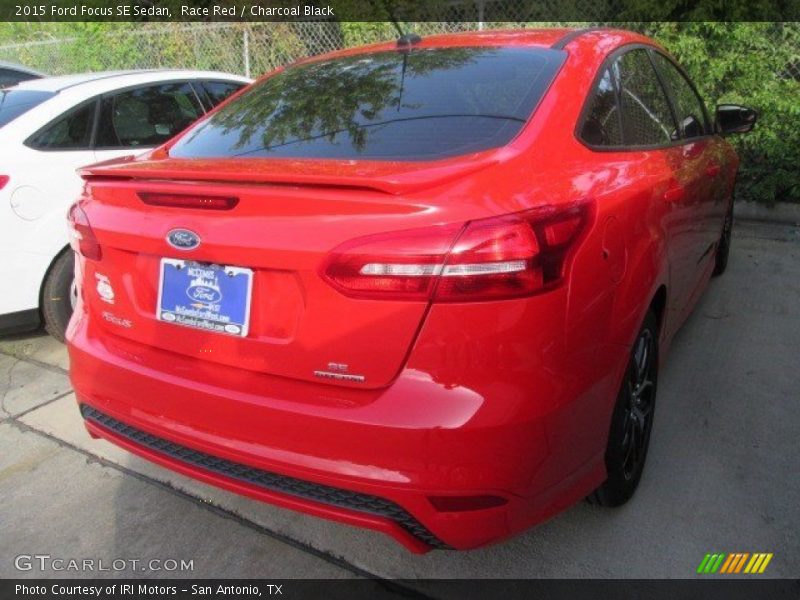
(732,118)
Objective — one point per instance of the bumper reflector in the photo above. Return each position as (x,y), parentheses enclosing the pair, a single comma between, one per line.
(465,503)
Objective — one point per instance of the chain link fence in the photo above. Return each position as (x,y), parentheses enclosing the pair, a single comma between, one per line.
(249,48)
(244,48)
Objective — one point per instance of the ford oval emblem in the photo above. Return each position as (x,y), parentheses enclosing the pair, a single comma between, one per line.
(205,292)
(183,239)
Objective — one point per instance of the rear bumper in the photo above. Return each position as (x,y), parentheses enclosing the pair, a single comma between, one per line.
(345,505)
(371,458)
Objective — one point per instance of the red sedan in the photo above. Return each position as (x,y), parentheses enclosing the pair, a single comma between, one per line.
(422,287)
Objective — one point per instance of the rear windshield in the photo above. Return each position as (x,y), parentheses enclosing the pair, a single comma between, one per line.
(399,105)
(13,103)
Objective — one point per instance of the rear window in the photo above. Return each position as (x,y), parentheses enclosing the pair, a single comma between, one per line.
(10,77)
(13,103)
(417,104)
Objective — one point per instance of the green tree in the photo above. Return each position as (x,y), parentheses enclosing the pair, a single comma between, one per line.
(757,65)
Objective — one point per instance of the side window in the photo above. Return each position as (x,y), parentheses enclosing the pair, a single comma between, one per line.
(602,123)
(646,116)
(146,116)
(72,131)
(688,106)
(217,91)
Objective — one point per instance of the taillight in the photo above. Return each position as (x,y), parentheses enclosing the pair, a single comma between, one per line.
(81,236)
(400,265)
(3,181)
(515,255)
(189,201)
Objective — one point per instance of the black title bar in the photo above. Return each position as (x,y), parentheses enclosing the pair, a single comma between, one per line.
(489,11)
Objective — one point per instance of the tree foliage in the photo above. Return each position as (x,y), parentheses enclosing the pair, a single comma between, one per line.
(757,65)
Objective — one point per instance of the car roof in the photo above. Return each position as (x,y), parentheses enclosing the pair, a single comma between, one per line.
(559,38)
(545,37)
(542,37)
(114,79)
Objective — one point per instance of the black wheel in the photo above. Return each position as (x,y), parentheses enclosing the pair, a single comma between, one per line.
(632,420)
(59,295)
(724,244)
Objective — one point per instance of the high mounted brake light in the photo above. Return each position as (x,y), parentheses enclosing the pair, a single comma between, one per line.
(189,201)
(515,255)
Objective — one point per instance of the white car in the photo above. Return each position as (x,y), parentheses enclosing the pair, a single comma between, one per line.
(49,128)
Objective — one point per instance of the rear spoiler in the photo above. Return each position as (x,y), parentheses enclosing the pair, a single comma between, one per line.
(386,177)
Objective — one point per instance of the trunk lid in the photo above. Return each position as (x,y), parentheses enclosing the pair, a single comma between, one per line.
(284,225)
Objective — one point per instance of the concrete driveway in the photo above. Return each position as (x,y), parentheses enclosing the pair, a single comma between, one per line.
(723,472)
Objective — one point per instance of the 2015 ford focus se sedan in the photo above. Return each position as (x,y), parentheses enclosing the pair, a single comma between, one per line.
(421,287)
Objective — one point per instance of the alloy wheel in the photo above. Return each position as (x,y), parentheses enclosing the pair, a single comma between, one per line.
(727,228)
(639,408)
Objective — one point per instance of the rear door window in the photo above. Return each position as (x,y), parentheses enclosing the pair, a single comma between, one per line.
(71,131)
(602,125)
(146,116)
(646,115)
(418,104)
(689,109)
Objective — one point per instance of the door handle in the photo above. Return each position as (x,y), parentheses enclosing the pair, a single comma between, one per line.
(675,194)
(712,170)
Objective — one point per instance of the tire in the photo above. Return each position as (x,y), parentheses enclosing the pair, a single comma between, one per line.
(632,420)
(57,300)
(724,244)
